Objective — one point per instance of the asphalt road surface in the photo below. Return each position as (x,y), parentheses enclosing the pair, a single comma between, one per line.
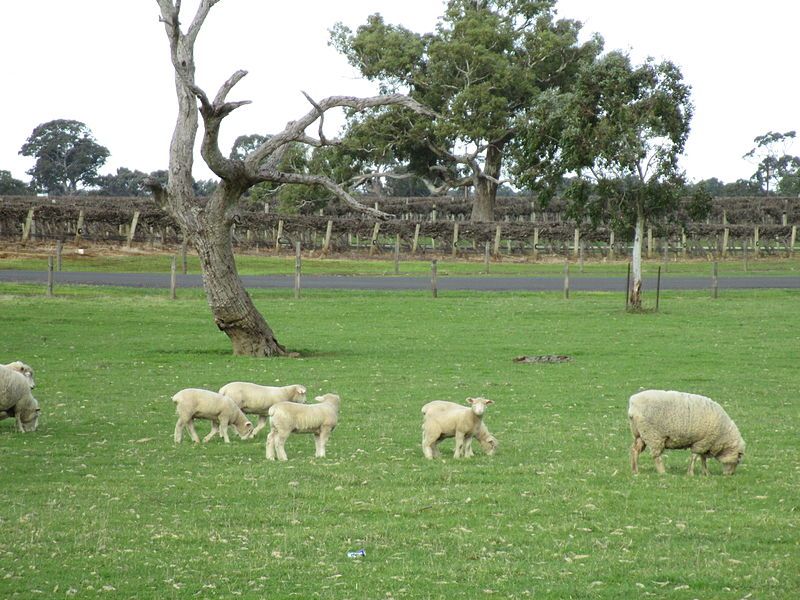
(336,282)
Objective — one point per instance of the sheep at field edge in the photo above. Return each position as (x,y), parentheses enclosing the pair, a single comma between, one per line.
(486,440)
(287,417)
(16,399)
(676,420)
(21,367)
(257,399)
(442,419)
(193,403)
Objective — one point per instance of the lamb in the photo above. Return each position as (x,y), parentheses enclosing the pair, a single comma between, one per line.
(443,419)
(16,399)
(193,403)
(257,399)
(677,420)
(288,417)
(21,367)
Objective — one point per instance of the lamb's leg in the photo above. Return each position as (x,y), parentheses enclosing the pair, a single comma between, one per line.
(271,445)
(223,427)
(703,463)
(459,450)
(467,450)
(429,449)
(178,431)
(280,440)
(214,431)
(192,432)
(262,422)
(656,452)
(636,450)
(691,464)
(320,440)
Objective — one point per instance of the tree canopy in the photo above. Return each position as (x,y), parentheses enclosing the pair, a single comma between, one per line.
(773,161)
(13,187)
(484,70)
(66,155)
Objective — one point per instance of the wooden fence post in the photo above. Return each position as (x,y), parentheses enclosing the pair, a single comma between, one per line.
(726,233)
(611,245)
(184,265)
(59,250)
(535,243)
(132,230)
(497,240)
(173,278)
(566,280)
(26,226)
(455,239)
(373,245)
(576,239)
(297,270)
(79,227)
(397,254)
(50,275)
(755,242)
(434,282)
(683,243)
(486,258)
(416,239)
(793,239)
(326,243)
(278,235)
(649,242)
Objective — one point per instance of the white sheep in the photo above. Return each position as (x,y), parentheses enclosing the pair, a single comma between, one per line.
(257,399)
(486,440)
(21,367)
(287,417)
(676,420)
(193,403)
(443,419)
(16,399)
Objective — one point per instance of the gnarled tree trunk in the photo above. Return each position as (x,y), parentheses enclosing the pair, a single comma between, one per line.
(486,187)
(635,293)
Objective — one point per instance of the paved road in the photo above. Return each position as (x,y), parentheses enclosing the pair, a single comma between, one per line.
(332,282)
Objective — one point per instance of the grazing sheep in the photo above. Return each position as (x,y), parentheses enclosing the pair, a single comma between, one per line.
(443,419)
(257,399)
(487,441)
(676,420)
(287,417)
(21,367)
(193,403)
(16,399)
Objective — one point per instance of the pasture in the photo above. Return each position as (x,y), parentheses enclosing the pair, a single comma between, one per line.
(100,502)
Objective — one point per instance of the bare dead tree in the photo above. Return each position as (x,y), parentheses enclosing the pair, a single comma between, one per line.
(207,222)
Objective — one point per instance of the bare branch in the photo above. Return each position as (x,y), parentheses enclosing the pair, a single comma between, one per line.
(328,184)
(199,18)
(321,117)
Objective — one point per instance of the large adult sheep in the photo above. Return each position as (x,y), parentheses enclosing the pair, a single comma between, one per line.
(662,420)
(442,419)
(486,440)
(194,403)
(286,418)
(258,399)
(16,399)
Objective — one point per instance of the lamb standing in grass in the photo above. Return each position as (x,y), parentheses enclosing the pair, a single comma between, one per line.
(193,403)
(257,399)
(16,400)
(287,417)
(443,419)
(675,420)
(487,441)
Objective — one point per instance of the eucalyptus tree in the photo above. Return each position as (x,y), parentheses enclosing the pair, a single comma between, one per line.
(66,155)
(482,70)
(207,221)
(621,131)
(774,163)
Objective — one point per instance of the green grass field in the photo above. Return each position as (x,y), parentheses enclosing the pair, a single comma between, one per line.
(100,502)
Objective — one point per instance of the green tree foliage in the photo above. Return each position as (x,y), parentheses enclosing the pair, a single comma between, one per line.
(483,70)
(13,187)
(123,183)
(66,155)
(773,161)
(621,129)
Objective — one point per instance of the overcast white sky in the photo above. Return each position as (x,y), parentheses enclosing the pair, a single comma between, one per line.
(106,63)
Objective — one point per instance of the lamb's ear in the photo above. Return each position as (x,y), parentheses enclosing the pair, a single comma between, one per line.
(489,401)
(471,400)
